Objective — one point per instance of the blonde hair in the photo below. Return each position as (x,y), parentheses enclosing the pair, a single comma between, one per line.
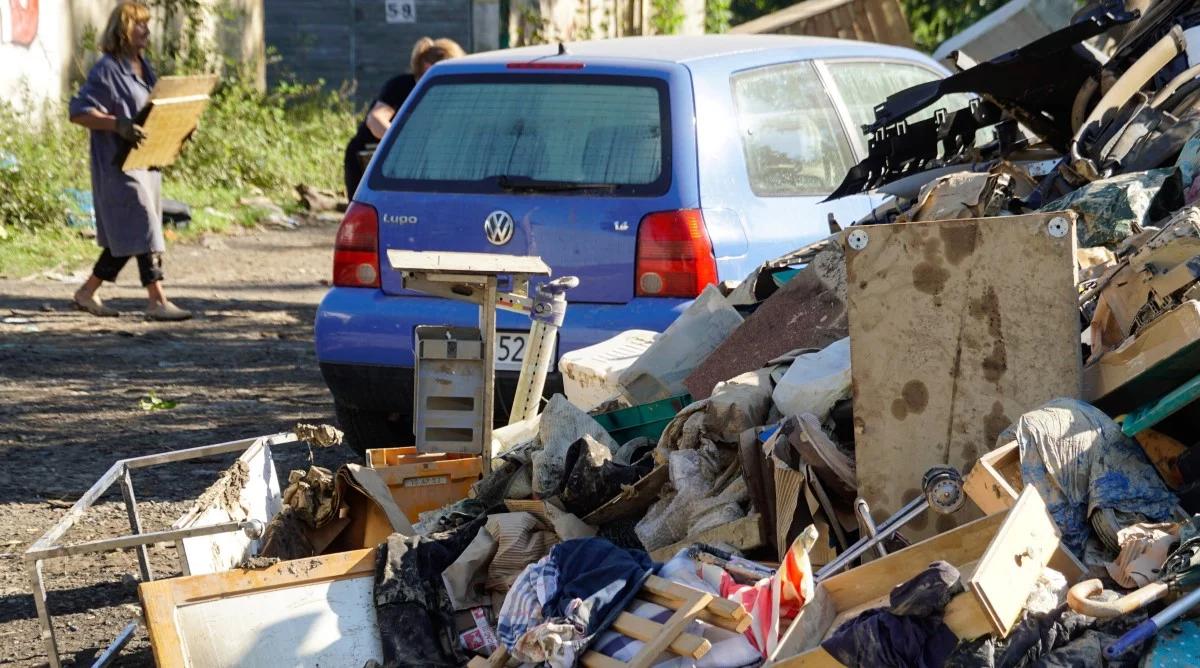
(428,51)
(117,39)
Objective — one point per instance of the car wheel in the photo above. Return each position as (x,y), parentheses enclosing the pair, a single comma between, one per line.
(373,429)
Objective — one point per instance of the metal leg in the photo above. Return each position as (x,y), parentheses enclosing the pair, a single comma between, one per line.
(38,587)
(532,381)
(135,524)
(487,327)
(117,645)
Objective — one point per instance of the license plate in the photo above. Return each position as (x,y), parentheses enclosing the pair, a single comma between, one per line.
(510,350)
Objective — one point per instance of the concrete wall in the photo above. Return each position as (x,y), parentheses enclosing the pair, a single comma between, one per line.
(41,60)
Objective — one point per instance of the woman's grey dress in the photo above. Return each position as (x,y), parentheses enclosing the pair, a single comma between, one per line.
(128,204)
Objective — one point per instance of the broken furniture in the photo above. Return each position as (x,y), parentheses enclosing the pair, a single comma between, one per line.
(985,313)
(49,547)
(318,611)
(993,482)
(1159,358)
(474,278)
(1000,558)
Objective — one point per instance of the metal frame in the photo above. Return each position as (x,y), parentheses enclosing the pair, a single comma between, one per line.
(47,546)
(473,278)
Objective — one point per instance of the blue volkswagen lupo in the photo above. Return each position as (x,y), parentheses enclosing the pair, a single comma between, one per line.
(649,167)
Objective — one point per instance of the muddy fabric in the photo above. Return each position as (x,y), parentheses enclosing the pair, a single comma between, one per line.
(1113,209)
(1080,462)
(1060,638)
(415,616)
(909,632)
(593,476)
(927,593)
(466,578)
(521,539)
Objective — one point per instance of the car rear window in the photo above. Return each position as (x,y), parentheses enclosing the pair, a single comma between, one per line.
(792,136)
(464,132)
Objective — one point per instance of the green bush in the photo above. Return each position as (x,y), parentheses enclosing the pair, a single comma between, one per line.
(274,141)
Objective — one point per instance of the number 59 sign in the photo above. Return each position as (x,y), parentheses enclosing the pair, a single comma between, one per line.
(401,11)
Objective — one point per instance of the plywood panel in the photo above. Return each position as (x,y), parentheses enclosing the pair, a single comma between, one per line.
(316,611)
(258,498)
(956,329)
(174,110)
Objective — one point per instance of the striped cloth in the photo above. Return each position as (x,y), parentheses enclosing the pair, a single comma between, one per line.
(522,607)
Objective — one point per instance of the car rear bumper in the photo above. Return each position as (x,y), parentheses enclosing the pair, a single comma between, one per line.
(364,337)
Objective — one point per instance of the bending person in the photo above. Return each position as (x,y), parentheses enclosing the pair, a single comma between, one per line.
(425,54)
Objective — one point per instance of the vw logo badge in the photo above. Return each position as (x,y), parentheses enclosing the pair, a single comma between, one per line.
(498,227)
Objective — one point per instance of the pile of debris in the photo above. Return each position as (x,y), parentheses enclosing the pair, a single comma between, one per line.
(945,435)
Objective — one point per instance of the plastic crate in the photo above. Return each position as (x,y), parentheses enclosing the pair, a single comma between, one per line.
(647,420)
(421,482)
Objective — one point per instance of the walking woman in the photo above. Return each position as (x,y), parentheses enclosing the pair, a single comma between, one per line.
(128,204)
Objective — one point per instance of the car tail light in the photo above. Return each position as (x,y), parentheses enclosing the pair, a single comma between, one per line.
(674,255)
(356,251)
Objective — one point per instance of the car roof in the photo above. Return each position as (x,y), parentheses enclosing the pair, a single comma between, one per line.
(691,48)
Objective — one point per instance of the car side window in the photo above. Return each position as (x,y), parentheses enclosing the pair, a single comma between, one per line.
(864,85)
(791,134)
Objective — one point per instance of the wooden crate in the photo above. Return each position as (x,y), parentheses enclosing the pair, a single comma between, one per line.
(1000,558)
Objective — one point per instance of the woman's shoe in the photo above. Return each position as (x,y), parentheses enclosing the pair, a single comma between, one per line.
(167,312)
(93,305)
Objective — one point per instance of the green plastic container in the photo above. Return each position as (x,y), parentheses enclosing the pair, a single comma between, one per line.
(647,420)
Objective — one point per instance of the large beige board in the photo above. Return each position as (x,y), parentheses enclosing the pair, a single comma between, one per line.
(176,104)
(956,329)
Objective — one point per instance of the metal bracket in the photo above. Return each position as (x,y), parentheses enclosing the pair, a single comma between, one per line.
(858,239)
(1058,227)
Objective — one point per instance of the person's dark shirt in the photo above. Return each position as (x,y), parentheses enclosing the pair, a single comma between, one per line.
(394,93)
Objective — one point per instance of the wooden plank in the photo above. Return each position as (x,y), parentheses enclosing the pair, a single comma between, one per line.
(177,607)
(678,594)
(993,481)
(1014,560)
(671,629)
(176,104)
(645,630)
(807,630)
(707,615)
(960,298)
(958,546)
(744,534)
(633,501)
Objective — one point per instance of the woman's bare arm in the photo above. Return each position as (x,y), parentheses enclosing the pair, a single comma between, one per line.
(379,119)
(96,120)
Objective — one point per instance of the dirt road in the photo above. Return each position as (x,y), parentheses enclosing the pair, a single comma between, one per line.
(70,386)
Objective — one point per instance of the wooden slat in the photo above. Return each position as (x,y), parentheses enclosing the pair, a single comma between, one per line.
(744,534)
(707,616)
(678,593)
(645,630)
(672,628)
